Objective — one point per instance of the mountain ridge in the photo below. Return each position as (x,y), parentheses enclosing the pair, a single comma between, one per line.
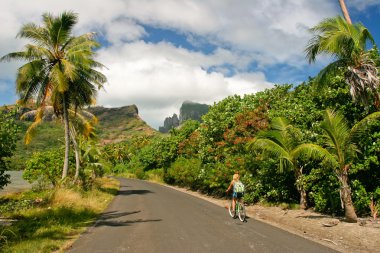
(188,111)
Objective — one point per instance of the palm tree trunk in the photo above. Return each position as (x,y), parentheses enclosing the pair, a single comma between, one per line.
(345,11)
(76,150)
(67,138)
(349,211)
(303,202)
(300,189)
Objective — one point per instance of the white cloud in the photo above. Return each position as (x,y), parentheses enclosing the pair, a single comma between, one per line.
(159,77)
(275,31)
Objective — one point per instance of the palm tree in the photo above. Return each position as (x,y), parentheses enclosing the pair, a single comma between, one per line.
(82,122)
(340,150)
(347,43)
(283,141)
(60,67)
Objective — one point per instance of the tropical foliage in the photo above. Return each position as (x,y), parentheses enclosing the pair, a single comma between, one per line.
(347,43)
(59,69)
(293,119)
(8,138)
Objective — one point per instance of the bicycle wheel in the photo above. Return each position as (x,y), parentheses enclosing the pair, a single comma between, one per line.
(241,211)
(231,211)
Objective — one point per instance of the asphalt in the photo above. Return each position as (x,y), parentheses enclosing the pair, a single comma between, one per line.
(145,217)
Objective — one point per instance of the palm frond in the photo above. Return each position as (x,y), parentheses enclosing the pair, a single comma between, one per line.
(59,27)
(279,123)
(365,37)
(35,33)
(269,146)
(69,70)
(360,126)
(338,135)
(364,81)
(30,132)
(315,152)
(59,79)
(322,79)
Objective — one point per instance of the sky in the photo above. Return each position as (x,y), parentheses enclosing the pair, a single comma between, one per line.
(160,53)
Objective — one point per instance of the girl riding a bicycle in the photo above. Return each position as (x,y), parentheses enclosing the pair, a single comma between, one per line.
(236,186)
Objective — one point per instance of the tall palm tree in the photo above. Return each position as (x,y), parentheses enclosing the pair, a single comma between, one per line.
(82,125)
(284,142)
(60,67)
(347,43)
(340,150)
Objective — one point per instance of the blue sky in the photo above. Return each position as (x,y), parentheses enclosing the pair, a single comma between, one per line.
(160,53)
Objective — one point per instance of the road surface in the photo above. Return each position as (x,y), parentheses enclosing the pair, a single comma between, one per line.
(146,217)
(17,184)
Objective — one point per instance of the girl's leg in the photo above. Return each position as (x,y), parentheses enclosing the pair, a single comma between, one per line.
(233,204)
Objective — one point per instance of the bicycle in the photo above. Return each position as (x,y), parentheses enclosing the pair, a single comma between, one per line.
(239,209)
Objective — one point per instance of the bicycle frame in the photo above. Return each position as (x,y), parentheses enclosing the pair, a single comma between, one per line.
(239,209)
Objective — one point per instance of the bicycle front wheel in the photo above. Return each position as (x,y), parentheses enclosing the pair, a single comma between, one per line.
(241,211)
(231,211)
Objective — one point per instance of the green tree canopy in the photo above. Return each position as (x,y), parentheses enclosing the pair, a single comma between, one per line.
(347,43)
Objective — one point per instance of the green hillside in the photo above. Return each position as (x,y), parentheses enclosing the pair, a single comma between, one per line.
(115,125)
(118,124)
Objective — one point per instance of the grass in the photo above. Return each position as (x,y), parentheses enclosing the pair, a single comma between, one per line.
(57,218)
(155,176)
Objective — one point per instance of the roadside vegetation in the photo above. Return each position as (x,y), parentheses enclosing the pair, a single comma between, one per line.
(316,144)
(47,220)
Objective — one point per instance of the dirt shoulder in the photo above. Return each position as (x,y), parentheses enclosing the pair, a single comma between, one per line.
(361,237)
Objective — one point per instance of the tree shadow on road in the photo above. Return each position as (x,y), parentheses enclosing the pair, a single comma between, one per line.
(119,223)
(110,219)
(115,214)
(134,192)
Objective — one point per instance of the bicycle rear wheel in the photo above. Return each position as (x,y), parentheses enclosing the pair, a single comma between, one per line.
(241,211)
(231,211)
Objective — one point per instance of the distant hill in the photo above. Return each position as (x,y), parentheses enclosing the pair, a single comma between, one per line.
(121,123)
(188,111)
(115,125)
(193,111)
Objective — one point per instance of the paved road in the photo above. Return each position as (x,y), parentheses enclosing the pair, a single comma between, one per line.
(146,217)
(17,184)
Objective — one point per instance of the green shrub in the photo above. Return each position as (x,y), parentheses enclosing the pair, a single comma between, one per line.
(156,175)
(119,168)
(140,173)
(360,198)
(46,167)
(326,200)
(184,172)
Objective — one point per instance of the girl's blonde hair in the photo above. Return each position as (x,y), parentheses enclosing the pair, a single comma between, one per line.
(235,177)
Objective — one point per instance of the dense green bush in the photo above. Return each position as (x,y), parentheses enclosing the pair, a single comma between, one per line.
(46,167)
(323,188)
(185,172)
(361,198)
(156,175)
(8,138)
(119,168)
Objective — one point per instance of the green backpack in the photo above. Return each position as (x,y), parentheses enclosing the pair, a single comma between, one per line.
(238,187)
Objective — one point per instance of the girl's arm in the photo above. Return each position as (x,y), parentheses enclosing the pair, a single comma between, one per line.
(230,186)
